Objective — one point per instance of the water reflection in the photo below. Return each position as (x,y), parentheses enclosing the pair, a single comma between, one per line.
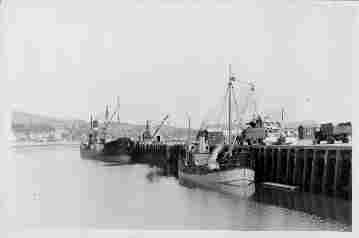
(154,174)
(115,163)
(54,187)
(319,205)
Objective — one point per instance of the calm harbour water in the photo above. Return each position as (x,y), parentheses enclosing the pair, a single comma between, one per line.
(56,188)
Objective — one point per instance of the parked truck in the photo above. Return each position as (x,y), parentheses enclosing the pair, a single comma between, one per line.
(330,133)
(263,133)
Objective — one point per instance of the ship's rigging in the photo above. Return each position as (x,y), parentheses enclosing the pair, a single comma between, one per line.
(232,115)
(108,119)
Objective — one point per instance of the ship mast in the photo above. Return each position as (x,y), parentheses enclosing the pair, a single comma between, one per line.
(118,109)
(188,129)
(231,78)
(282,114)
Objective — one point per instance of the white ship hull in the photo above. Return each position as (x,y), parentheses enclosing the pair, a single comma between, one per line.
(234,177)
(236,181)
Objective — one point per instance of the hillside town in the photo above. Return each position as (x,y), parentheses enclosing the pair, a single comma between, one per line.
(28,127)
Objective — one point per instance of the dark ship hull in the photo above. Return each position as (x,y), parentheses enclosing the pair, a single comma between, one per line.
(118,150)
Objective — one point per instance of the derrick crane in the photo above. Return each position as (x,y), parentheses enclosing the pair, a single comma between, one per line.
(109,118)
(147,135)
(160,126)
(248,99)
(114,113)
(101,131)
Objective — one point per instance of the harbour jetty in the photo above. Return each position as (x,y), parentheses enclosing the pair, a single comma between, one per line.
(160,155)
(320,169)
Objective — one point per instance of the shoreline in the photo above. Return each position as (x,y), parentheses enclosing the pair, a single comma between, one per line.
(43,144)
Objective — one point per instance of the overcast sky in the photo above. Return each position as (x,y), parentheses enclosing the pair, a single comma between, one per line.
(70,58)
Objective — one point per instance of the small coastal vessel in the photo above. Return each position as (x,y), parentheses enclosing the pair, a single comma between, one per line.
(211,161)
(100,146)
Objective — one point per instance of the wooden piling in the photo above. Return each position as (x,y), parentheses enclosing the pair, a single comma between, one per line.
(273,166)
(265,166)
(259,169)
(252,161)
(288,167)
(313,168)
(338,170)
(305,168)
(325,172)
(313,171)
(263,163)
(279,166)
(295,167)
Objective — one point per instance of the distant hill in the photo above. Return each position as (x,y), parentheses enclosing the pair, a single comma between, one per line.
(23,121)
(29,122)
(132,130)
(25,118)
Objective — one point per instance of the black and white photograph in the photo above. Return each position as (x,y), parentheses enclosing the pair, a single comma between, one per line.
(180,115)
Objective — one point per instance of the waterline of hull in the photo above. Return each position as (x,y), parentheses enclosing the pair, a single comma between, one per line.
(94,155)
(238,181)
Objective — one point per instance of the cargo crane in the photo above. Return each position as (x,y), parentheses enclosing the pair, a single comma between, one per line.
(147,136)
(160,126)
(108,119)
